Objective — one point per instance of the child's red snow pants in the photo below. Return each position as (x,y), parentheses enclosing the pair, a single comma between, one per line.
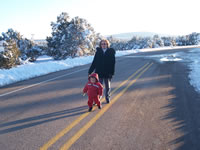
(92,99)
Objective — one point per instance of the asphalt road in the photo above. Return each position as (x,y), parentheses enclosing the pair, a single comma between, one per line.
(153,107)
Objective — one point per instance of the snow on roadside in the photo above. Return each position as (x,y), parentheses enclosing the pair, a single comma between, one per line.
(193,61)
(45,65)
(167,48)
(1,49)
(42,66)
(194,65)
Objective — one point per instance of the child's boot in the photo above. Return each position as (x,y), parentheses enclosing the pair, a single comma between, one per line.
(99,106)
(90,109)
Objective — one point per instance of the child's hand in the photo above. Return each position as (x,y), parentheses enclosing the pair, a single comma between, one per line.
(83,94)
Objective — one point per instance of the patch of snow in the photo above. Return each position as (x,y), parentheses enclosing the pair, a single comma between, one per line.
(46,64)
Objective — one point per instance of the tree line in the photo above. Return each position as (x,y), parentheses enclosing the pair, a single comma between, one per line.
(154,42)
(74,37)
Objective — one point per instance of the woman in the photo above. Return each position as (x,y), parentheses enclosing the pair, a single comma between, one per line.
(104,65)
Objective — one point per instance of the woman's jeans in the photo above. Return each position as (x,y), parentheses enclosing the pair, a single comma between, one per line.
(106,81)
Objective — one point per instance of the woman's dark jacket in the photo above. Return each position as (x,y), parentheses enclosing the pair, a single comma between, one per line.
(103,63)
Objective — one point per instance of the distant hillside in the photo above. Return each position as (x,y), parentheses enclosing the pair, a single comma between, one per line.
(129,35)
(41,42)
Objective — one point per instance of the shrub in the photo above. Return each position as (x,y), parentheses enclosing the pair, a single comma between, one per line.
(9,57)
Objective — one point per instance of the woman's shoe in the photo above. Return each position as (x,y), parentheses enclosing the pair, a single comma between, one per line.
(108,100)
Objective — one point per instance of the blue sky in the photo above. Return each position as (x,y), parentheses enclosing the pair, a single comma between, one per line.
(33,17)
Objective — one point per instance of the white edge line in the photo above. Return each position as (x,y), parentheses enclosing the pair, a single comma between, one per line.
(1,95)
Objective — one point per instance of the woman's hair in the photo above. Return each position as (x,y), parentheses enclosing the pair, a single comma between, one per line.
(104,40)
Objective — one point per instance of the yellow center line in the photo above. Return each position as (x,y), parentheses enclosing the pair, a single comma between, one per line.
(75,122)
(72,140)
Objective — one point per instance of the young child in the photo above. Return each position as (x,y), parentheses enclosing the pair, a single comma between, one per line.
(94,90)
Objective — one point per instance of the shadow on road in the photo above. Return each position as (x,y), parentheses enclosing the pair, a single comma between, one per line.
(184,107)
(169,84)
(40,119)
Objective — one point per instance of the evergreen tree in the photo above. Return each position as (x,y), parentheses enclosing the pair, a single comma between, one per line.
(24,45)
(71,37)
(10,56)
